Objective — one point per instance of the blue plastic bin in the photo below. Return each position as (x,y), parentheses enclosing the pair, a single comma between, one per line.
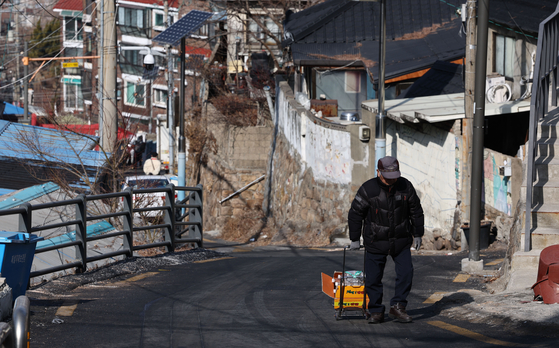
(17,250)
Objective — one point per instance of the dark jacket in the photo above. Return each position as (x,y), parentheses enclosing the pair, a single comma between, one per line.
(392,215)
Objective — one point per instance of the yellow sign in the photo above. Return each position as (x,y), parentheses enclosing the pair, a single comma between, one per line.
(70,65)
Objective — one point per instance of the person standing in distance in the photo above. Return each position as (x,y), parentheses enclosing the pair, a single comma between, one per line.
(387,210)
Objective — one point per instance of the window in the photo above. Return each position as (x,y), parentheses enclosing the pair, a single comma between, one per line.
(160,97)
(257,33)
(159,20)
(203,31)
(131,17)
(73,98)
(132,57)
(353,82)
(135,94)
(72,29)
(504,55)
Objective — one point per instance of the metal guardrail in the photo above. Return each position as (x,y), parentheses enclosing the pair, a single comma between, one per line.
(176,230)
(17,336)
(546,80)
(22,322)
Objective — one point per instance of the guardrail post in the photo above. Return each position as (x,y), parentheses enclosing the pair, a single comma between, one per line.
(25,219)
(81,233)
(6,335)
(169,217)
(196,215)
(21,321)
(127,223)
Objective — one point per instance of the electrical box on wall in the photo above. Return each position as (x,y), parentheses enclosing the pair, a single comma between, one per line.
(364,133)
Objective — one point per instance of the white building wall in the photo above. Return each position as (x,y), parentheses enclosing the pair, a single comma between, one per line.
(428,159)
(327,151)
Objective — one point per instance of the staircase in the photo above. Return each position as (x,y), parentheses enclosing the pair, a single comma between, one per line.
(545,214)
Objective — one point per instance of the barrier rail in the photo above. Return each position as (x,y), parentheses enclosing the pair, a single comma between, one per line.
(544,96)
(21,322)
(19,335)
(173,219)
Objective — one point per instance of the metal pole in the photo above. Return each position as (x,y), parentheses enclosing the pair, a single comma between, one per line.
(380,129)
(170,87)
(477,147)
(101,94)
(182,145)
(26,85)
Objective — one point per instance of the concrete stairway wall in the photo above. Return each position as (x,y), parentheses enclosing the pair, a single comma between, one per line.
(545,214)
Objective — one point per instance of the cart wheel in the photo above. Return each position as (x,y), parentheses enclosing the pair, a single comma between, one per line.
(338,315)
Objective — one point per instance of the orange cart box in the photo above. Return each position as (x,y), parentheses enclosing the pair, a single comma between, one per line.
(353,295)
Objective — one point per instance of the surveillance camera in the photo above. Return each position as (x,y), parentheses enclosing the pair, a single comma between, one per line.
(149,62)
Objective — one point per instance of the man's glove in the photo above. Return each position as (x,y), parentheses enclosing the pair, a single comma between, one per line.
(355,245)
(416,243)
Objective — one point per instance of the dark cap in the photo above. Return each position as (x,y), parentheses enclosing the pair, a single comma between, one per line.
(389,167)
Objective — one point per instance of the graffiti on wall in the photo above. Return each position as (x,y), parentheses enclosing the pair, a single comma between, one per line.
(496,187)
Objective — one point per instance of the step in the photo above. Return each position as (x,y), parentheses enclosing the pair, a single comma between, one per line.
(545,215)
(548,146)
(542,238)
(545,191)
(525,260)
(547,168)
(521,280)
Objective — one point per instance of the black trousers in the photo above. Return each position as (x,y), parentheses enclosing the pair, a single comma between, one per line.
(374,271)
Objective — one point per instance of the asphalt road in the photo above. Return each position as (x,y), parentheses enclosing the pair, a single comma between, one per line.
(258,298)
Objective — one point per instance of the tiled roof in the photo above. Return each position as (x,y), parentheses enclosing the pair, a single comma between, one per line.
(442,78)
(418,32)
(70,5)
(521,14)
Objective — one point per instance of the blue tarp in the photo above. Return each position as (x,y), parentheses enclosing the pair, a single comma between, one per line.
(28,194)
(10,109)
(92,230)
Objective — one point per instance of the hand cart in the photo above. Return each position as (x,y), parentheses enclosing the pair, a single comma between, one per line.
(347,291)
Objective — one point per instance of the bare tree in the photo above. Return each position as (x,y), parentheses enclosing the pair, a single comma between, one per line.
(258,24)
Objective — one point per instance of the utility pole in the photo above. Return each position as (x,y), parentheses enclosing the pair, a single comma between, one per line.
(170,88)
(108,104)
(380,126)
(101,86)
(17,85)
(467,122)
(25,85)
(479,121)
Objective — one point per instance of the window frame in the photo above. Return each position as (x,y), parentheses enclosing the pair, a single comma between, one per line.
(503,59)
(357,73)
(135,97)
(76,96)
(77,30)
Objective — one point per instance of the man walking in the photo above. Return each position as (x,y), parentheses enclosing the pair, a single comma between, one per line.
(393,220)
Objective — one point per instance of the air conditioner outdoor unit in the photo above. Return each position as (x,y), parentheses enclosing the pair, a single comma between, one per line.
(497,90)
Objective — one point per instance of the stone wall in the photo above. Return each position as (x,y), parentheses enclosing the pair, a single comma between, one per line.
(240,159)
(304,210)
